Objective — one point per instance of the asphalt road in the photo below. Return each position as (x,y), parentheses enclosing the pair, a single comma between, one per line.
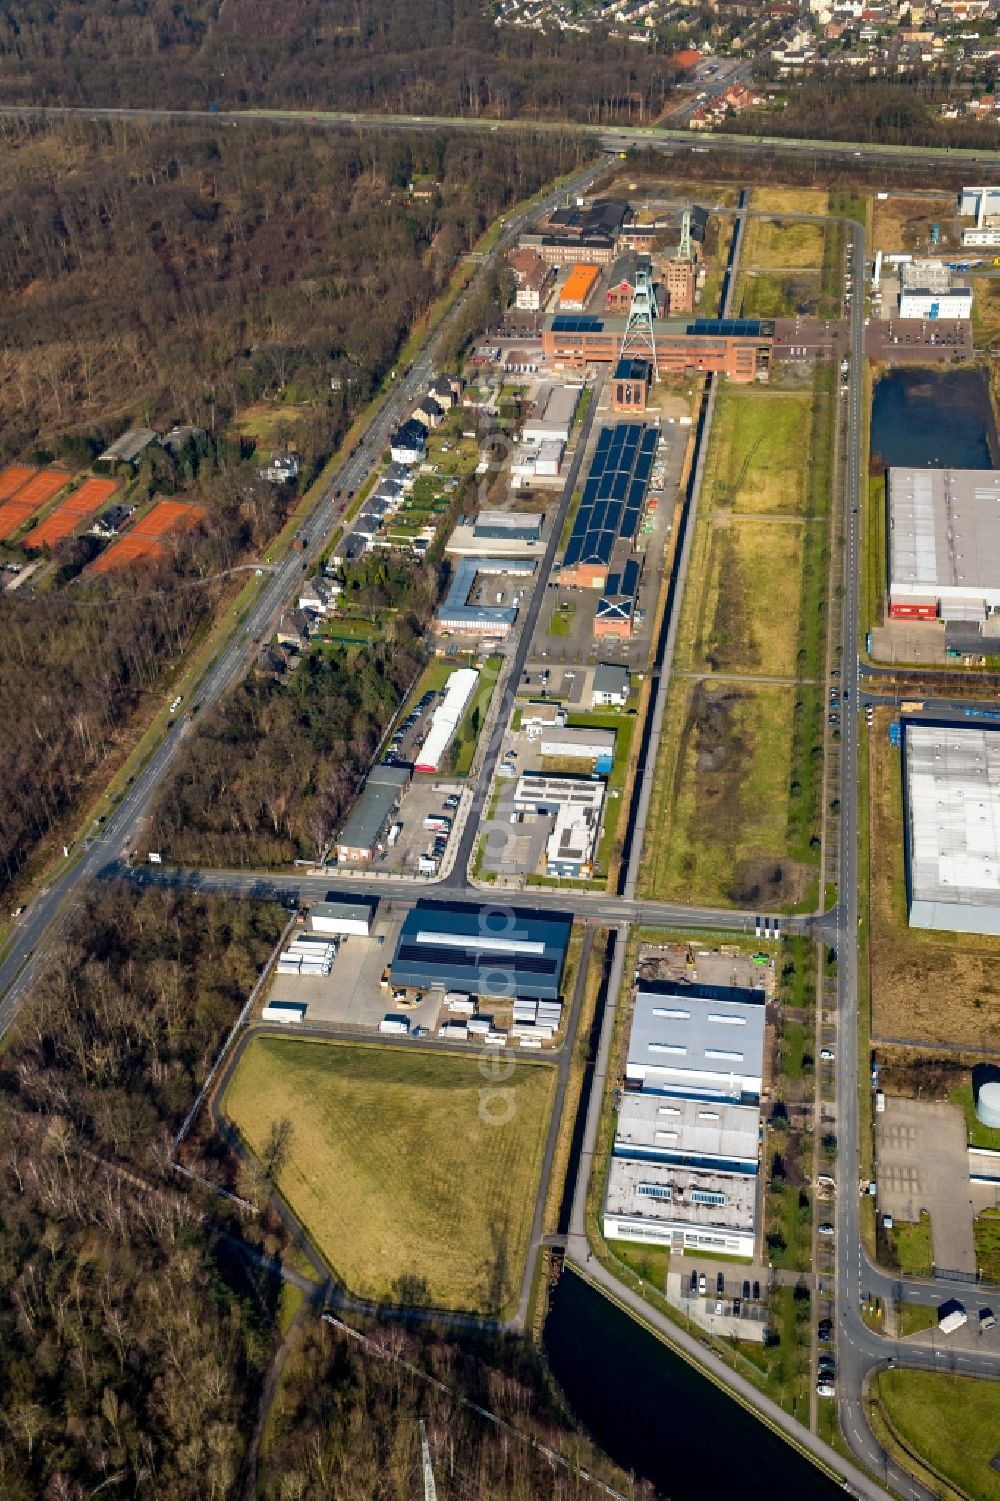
(50,911)
(598,908)
(522,641)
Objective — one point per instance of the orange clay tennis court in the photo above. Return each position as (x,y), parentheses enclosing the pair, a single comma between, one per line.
(12,478)
(144,541)
(30,498)
(65,519)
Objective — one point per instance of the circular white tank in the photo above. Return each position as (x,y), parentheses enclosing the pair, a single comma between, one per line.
(988,1103)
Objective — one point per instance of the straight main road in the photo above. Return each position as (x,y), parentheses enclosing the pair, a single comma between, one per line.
(613,138)
(49,913)
(598,908)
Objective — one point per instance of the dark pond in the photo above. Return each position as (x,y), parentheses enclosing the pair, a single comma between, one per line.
(931,419)
(657,1417)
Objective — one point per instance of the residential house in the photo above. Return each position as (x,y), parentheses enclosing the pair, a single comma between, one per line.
(293,630)
(445,390)
(408,442)
(282,469)
(428,413)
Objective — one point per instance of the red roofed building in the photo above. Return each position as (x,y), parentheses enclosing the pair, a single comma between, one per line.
(686,60)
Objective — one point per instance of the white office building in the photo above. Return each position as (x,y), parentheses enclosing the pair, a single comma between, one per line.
(668,1204)
(927,289)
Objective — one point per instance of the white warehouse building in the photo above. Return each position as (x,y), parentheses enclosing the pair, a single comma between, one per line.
(702,1041)
(953,827)
(944,543)
(665,1203)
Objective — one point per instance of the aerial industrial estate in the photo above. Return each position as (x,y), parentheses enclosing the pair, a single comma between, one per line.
(644,931)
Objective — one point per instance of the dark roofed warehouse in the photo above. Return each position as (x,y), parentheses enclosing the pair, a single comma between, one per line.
(482,950)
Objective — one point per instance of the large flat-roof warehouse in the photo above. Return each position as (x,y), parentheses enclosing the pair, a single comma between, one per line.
(703,1041)
(953,827)
(482,950)
(944,543)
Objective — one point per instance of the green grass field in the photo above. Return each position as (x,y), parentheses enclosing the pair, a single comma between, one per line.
(719,810)
(770,296)
(790,245)
(914,1318)
(414,1173)
(912,1239)
(758,460)
(986,1230)
(979,1135)
(562,618)
(736,803)
(735,624)
(951,1422)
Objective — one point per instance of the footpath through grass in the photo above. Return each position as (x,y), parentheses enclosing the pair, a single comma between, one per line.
(414,1174)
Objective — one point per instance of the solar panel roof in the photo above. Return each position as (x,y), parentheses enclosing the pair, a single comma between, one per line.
(613,494)
(747,328)
(574,324)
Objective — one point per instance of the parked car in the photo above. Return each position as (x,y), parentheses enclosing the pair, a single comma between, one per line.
(825,1229)
(827,1055)
(720,1284)
(702,1284)
(746,1291)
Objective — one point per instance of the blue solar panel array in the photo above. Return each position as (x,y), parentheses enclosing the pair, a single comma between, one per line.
(743,328)
(614,493)
(574,324)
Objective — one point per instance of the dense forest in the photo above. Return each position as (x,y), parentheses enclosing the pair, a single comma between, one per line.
(271,771)
(135,1337)
(386,55)
(327,1374)
(247,264)
(131,1350)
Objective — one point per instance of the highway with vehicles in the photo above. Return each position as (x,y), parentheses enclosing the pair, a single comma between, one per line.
(607,138)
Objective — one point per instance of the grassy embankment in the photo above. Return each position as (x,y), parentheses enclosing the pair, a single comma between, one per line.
(413,1174)
(942,1427)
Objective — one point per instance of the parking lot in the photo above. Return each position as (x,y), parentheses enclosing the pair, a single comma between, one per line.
(922,1163)
(426,795)
(351,995)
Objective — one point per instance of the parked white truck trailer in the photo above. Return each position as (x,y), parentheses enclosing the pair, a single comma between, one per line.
(951,1316)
